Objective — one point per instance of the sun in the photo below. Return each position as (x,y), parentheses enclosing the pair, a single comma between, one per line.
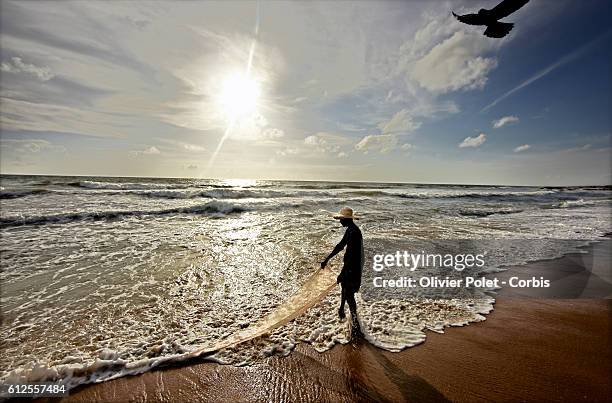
(239,96)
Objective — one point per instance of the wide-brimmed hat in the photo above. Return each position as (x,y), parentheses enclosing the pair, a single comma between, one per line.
(346,212)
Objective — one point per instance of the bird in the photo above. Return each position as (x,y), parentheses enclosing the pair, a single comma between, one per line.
(490,18)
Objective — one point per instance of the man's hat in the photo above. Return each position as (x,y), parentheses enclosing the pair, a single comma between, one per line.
(346,212)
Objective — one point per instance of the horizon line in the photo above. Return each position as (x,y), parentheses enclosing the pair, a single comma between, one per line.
(312,180)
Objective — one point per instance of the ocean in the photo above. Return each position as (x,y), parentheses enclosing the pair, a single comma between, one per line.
(103,277)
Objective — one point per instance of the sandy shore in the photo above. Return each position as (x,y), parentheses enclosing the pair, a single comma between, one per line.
(543,349)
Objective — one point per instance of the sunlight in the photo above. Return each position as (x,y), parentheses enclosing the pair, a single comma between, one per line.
(236,182)
(238,97)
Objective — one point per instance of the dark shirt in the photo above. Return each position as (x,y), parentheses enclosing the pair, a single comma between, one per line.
(350,276)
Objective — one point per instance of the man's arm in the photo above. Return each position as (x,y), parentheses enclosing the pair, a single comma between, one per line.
(336,250)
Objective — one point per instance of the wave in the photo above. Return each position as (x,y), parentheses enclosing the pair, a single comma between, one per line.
(345,185)
(479,195)
(219,193)
(106,367)
(581,203)
(368,193)
(222,193)
(16,194)
(571,203)
(147,185)
(213,208)
(208,190)
(487,213)
(127,185)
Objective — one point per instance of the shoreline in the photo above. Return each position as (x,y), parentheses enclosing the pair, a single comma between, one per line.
(530,348)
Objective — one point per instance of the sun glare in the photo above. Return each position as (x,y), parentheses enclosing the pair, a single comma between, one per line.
(239,182)
(239,96)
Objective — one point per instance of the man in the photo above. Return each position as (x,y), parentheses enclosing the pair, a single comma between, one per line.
(350,276)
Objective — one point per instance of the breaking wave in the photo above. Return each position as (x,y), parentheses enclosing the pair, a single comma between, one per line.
(213,208)
(219,193)
(486,213)
(126,185)
(16,194)
(481,195)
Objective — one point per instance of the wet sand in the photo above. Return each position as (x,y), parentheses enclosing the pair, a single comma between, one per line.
(528,349)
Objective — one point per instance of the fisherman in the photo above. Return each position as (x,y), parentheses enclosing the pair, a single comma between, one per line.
(350,276)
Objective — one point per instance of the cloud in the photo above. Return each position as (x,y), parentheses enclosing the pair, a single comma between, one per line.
(314,140)
(431,109)
(255,128)
(401,122)
(35,116)
(327,142)
(17,65)
(183,146)
(348,127)
(407,147)
(506,120)
(57,91)
(454,64)
(473,141)
(53,26)
(192,147)
(152,150)
(585,147)
(382,143)
(272,133)
(288,151)
(524,147)
(29,146)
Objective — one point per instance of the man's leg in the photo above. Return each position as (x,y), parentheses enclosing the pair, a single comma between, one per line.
(350,299)
(355,329)
(342,300)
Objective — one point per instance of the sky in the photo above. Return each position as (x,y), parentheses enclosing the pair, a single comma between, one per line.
(393,91)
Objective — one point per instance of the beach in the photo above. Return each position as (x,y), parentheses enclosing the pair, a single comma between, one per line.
(126,276)
(528,349)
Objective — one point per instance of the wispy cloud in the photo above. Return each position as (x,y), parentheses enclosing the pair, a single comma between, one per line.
(152,150)
(17,65)
(542,73)
(457,63)
(382,143)
(30,146)
(401,122)
(43,117)
(506,120)
(522,148)
(473,141)
(585,147)
(183,146)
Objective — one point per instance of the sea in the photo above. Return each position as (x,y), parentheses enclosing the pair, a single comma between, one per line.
(103,277)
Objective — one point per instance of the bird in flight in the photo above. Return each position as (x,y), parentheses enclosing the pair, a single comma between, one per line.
(490,18)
